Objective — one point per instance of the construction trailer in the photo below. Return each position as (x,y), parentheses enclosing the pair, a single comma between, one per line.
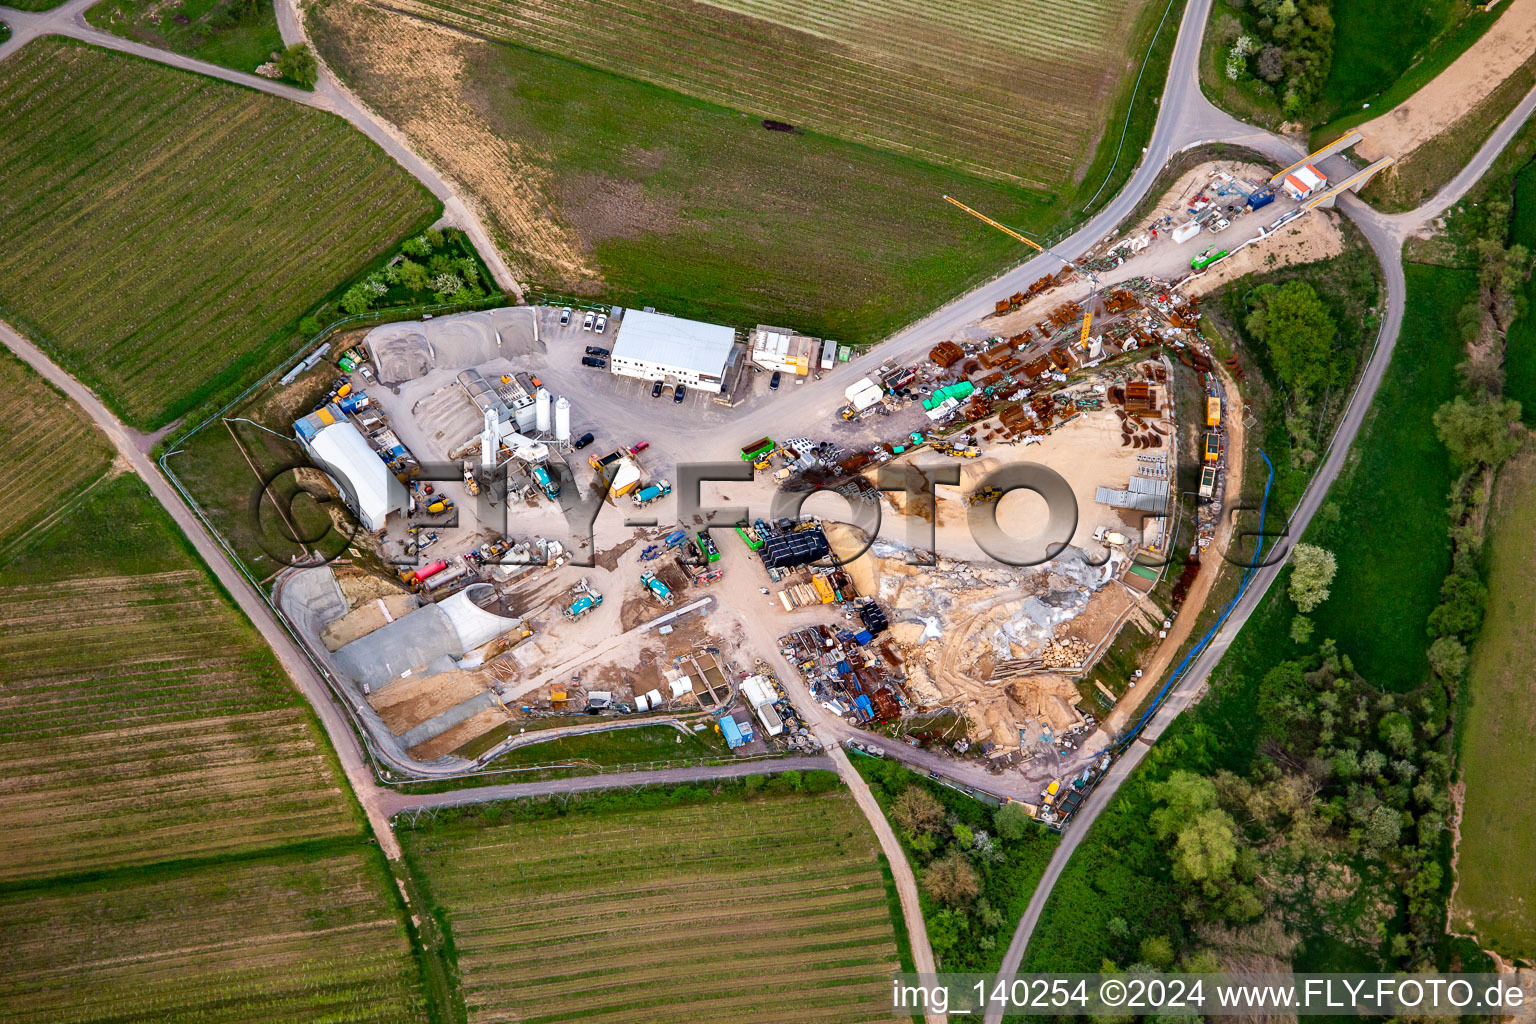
(1207,481)
(1213,411)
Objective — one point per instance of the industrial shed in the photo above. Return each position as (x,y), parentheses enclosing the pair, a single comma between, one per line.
(336,446)
(652,346)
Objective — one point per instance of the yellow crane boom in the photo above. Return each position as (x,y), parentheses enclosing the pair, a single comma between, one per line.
(1005,229)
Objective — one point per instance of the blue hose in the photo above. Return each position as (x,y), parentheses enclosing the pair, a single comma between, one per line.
(1204,642)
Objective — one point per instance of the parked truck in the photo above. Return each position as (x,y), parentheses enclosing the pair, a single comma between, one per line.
(655,492)
(584,600)
(546,482)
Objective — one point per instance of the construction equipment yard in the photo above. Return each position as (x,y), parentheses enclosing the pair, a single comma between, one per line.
(528,565)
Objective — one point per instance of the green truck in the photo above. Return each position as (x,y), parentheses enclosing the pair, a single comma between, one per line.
(1206,258)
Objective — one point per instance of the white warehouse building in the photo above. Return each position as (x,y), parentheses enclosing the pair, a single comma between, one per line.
(652,346)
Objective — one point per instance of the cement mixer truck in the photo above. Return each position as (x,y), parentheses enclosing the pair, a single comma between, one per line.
(655,492)
(659,590)
(584,599)
(546,482)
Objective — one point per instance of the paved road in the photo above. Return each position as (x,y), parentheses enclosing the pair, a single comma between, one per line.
(395,803)
(329,95)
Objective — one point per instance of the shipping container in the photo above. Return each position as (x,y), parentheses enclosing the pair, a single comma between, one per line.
(1213,411)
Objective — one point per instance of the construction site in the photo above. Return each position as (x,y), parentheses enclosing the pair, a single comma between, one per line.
(468,463)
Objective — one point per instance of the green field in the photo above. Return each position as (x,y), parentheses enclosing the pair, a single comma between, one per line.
(676,907)
(142,716)
(1384,51)
(991,91)
(1390,536)
(179,844)
(161,232)
(621,746)
(280,939)
(232,33)
(46,439)
(598,184)
(1520,341)
(1495,859)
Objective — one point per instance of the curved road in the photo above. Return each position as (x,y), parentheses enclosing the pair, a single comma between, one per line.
(1186,119)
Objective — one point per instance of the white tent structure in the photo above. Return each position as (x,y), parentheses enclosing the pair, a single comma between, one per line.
(368,487)
(430,637)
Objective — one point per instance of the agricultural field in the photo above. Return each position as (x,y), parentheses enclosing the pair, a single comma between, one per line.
(1495,860)
(141,717)
(758,908)
(594,183)
(276,940)
(161,232)
(988,90)
(44,438)
(239,34)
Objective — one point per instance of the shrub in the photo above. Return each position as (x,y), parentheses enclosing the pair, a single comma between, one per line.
(1312,570)
(298,65)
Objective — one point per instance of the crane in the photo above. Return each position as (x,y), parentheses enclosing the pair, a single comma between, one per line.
(1045,250)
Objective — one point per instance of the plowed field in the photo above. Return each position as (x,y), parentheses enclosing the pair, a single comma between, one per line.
(159,230)
(278,941)
(763,910)
(141,718)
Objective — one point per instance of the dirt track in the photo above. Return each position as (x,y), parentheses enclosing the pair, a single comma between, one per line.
(1456,90)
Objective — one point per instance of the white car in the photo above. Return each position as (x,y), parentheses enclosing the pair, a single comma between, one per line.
(565,317)
(602,324)
(586,324)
